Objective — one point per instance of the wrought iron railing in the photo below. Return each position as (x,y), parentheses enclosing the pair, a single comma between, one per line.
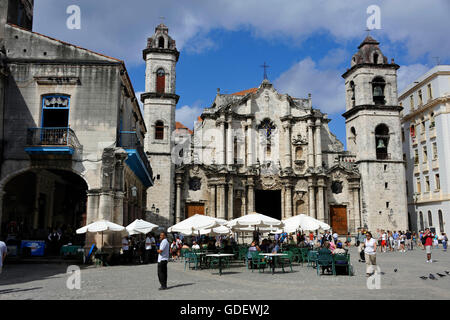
(52,137)
(130,140)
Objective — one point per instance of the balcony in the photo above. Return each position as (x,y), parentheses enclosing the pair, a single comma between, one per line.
(416,168)
(432,131)
(137,159)
(435,164)
(51,141)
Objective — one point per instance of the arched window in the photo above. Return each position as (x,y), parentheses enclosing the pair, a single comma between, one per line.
(378,85)
(430,219)
(421,220)
(160,80)
(441,221)
(382,141)
(352,88)
(413,131)
(161,42)
(353,134)
(375,58)
(159,130)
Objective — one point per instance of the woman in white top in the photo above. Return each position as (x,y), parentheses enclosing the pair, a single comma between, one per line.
(370,253)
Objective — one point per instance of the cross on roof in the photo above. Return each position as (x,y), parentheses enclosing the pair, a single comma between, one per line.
(162,19)
(265,66)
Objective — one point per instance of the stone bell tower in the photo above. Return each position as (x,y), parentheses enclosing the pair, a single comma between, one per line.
(160,100)
(373,131)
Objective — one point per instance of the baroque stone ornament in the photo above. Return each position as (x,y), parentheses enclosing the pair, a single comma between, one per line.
(269,183)
(299,140)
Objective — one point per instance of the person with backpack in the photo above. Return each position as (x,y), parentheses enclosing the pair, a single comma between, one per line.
(444,241)
(427,240)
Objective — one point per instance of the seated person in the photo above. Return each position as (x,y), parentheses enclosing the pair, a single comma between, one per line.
(185,246)
(324,250)
(332,246)
(253,248)
(276,247)
(339,249)
(265,246)
(195,246)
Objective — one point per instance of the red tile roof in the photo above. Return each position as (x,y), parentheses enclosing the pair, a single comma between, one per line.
(179,125)
(244,92)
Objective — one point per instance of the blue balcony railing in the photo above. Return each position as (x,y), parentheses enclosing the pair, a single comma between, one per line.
(137,159)
(51,140)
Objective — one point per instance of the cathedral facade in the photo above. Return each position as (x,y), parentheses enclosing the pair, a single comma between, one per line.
(263,151)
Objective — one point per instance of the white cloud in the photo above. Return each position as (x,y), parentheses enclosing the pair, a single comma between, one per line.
(120,28)
(407,74)
(187,115)
(326,86)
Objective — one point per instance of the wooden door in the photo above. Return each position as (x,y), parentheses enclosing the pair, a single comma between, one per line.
(194,208)
(338,217)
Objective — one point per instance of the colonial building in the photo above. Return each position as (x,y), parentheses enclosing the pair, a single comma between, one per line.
(72,134)
(263,151)
(426,147)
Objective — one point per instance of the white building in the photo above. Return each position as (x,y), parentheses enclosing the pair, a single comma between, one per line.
(426,147)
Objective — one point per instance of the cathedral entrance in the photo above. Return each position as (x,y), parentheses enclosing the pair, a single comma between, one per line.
(268,202)
(338,217)
(194,208)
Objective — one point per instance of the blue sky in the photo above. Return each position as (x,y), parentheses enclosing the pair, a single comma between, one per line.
(308,44)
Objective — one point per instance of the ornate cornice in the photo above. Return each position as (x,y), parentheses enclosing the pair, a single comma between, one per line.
(356,109)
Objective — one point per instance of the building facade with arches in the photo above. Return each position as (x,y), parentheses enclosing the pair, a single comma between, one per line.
(72,138)
(263,151)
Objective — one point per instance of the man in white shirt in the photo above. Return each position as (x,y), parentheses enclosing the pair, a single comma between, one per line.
(163,258)
(3,251)
(195,246)
(148,249)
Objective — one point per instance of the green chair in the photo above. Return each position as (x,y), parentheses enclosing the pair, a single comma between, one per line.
(287,260)
(297,254)
(258,261)
(342,260)
(312,258)
(183,253)
(191,258)
(304,253)
(325,259)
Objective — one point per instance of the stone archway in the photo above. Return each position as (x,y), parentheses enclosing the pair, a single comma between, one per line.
(36,200)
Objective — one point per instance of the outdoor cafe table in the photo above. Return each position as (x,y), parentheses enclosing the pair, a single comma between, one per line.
(220,255)
(275,258)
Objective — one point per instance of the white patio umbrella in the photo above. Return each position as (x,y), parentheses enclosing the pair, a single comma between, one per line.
(192,225)
(100,226)
(140,226)
(303,222)
(216,231)
(255,220)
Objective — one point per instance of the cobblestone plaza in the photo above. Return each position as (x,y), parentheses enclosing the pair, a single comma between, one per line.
(29,281)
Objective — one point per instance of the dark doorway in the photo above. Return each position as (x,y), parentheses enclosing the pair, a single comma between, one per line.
(268,202)
(55,118)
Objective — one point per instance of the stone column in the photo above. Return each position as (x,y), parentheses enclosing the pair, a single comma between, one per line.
(310,144)
(106,205)
(318,146)
(249,143)
(36,203)
(356,209)
(220,143)
(221,201)
(283,205)
(178,217)
(288,201)
(312,202)
(287,144)
(244,200)
(125,212)
(230,144)
(212,201)
(320,203)
(230,215)
(251,198)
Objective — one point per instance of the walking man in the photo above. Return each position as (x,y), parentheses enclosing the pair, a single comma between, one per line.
(428,237)
(3,250)
(163,258)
